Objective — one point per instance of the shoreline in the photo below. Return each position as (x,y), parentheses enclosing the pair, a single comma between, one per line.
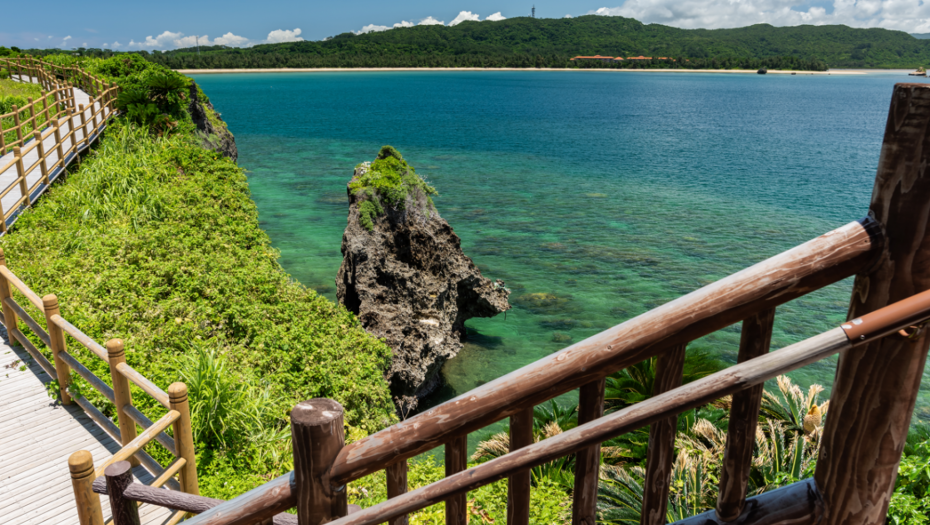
(902,72)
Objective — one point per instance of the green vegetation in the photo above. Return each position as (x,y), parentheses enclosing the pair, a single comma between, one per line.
(156,241)
(18,94)
(529,42)
(390,181)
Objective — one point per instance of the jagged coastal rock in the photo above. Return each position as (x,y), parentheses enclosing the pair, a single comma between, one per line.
(404,274)
(214,135)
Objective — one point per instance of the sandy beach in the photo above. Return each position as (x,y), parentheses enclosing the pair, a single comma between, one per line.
(902,72)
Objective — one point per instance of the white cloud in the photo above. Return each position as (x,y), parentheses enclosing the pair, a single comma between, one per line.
(166,39)
(105,44)
(84,44)
(371,28)
(283,35)
(464,16)
(496,17)
(912,16)
(66,38)
(403,23)
(567,16)
(116,44)
(231,40)
(430,21)
(49,36)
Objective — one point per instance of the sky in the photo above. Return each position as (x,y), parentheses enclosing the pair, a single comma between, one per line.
(170,24)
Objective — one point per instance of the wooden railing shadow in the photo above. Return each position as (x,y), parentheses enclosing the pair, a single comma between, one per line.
(882,352)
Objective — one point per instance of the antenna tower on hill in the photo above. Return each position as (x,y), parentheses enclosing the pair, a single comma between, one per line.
(534,11)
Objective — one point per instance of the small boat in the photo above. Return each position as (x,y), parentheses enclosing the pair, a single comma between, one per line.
(921,72)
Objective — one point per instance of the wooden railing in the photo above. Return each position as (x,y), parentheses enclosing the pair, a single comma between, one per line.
(55,335)
(48,133)
(883,349)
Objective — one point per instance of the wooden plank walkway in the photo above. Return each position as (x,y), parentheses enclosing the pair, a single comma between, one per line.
(9,176)
(37,435)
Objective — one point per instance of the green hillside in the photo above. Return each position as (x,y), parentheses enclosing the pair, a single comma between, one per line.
(529,42)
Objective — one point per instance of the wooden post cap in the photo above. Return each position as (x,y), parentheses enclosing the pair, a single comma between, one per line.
(81,464)
(316,412)
(120,468)
(115,347)
(177,392)
(50,302)
(37,134)
(17,152)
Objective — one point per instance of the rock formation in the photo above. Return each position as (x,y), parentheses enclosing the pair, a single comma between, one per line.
(404,274)
(213,133)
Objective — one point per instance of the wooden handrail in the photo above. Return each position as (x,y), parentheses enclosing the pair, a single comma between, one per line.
(81,337)
(142,382)
(822,261)
(140,441)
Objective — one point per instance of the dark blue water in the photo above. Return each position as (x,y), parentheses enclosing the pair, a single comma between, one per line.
(596,196)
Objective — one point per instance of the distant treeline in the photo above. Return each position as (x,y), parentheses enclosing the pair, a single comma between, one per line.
(233,60)
(531,42)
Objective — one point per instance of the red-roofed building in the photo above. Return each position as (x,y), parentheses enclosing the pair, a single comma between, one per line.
(595,57)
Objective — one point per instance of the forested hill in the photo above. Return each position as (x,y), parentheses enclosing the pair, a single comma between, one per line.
(529,42)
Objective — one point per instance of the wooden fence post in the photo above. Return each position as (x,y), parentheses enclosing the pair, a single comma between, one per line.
(661,452)
(755,339)
(73,132)
(876,384)
(61,156)
(121,394)
(56,337)
(518,485)
(19,129)
(83,118)
(317,436)
(184,437)
(588,461)
(21,174)
(457,461)
(397,485)
(43,166)
(124,510)
(81,465)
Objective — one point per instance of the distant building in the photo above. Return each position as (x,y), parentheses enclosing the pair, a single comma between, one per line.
(595,57)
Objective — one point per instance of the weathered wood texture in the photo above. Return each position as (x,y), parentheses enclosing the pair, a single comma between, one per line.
(795,504)
(817,263)
(661,452)
(457,461)
(518,485)
(317,435)
(81,465)
(184,436)
(697,393)
(876,385)
(588,461)
(274,497)
(119,478)
(127,427)
(755,339)
(397,485)
(177,500)
(57,344)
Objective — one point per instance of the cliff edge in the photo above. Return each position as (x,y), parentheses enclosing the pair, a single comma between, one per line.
(405,276)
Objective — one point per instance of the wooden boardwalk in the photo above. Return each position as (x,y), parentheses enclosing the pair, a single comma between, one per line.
(37,435)
(9,176)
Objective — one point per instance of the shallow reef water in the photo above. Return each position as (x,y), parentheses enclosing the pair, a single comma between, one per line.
(595,197)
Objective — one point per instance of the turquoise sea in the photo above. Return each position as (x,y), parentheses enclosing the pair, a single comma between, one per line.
(615,192)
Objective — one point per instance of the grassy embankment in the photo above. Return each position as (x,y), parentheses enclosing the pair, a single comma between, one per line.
(155,240)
